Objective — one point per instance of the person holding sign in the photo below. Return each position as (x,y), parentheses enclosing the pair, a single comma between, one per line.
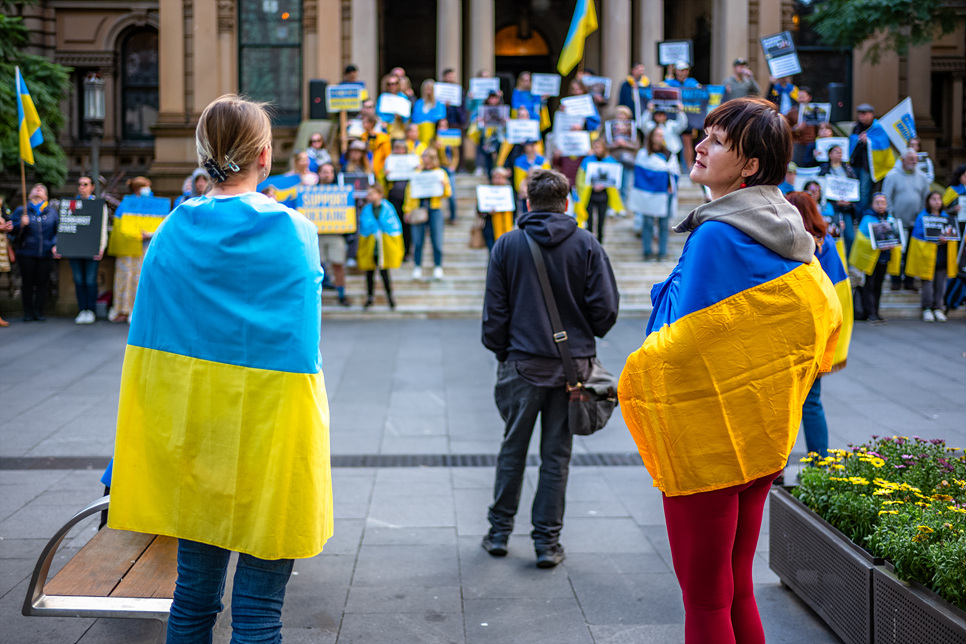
(35,229)
(674,129)
(681,78)
(594,195)
(427,111)
(867,254)
(654,196)
(632,94)
(521,97)
(413,144)
(449,158)
(803,132)
(423,209)
(836,166)
(84,270)
(393,122)
(906,188)
(380,242)
(497,223)
(396,187)
(621,136)
(932,256)
(783,93)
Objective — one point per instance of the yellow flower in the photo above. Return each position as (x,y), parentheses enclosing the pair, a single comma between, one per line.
(877,462)
(958,510)
(838,466)
(893,502)
(807,459)
(924,528)
(881,492)
(881,512)
(923,504)
(858,480)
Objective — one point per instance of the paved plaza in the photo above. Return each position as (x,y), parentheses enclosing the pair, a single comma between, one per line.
(414,431)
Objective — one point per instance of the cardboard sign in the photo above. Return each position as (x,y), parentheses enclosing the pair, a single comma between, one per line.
(598,86)
(424,185)
(935,228)
(618,130)
(572,144)
(841,188)
(331,208)
(401,167)
(451,138)
(671,51)
(358,181)
(563,122)
(82,230)
(582,105)
(481,87)
(522,130)
(545,84)
(494,115)
(395,104)
(343,98)
(666,99)
(804,175)
(144,213)
(448,93)
(823,145)
(494,199)
(779,50)
(814,113)
(610,175)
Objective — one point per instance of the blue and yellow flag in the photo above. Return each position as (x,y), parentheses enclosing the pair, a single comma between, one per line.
(830,257)
(864,257)
(28,121)
(584,190)
(286,188)
(881,157)
(380,238)
(736,338)
(583,24)
(923,255)
(222,424)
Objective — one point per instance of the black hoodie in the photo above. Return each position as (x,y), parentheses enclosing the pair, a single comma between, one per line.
(516,325)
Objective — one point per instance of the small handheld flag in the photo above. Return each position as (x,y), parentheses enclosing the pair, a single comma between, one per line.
(28,121)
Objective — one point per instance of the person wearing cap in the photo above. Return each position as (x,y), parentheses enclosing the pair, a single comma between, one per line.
(632,90)
(742,83)
(864,119)
(783,93)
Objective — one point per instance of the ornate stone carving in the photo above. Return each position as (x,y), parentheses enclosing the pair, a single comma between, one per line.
(226,16)
(953,64)
(310,15)
(85,58)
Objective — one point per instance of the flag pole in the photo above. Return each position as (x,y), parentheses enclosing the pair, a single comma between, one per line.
(23,186)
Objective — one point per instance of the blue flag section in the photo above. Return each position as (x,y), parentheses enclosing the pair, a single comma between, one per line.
(286,188)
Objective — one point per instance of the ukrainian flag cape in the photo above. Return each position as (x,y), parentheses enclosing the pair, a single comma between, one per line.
(952,194)
(864,257)
(830,257)
(222,425)
(522,167)
(736,338)
(380,238)
(652,175)
(584,189)
(921,261)
(881,157)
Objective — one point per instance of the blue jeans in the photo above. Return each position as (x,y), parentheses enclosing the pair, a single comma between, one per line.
(435,225)
(848,232)
(85,282)
(865,190)
(813,421)
(647,233)
(627,181)
(452,196)
(256,598)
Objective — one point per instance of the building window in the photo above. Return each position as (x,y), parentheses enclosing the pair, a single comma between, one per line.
(270,55)
(139,84)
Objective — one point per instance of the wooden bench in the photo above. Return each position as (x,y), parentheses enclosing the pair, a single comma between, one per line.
(116,574)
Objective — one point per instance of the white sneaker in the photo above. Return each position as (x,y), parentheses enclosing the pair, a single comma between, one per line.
(939,315)
(927,316)
(81,318)
(418,273)
(91,317)
(438,273)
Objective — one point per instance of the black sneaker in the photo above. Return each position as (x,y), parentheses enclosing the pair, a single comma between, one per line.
(550,556)
(344,301)
(495,544)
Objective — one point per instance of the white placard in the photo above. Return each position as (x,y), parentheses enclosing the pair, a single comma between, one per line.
(401,167)
(572,144)
(582,105)
(448,93)
(424,185)
(494,199)
(522,130)
(563,122)
(545,84)
(841,188)
(671,51)
(609,174)
(814,113)
(481,87)
(961,215)
(823,145)
(786,65)
(804,175)
(599,85)
(395,104)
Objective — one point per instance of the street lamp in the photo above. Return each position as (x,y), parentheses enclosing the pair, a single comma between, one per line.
(94,119)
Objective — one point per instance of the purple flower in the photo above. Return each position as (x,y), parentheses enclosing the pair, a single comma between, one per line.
(871,453)
(937,441)
(899,467)
(874,436)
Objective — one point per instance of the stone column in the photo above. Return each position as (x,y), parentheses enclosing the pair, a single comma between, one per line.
(769,22)
(875,84)
(365,42)
(171,60)
(482,34)
(328,41)
(616,38)
(650,31)
(919,80)
(227,48)
(205,59)
(449,40)
(957,111)
(729,38)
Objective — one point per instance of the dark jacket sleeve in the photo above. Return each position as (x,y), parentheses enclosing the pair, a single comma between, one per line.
(496,305)
(601,298)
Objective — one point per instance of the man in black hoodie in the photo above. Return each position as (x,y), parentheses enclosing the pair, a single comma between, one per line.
(530,376)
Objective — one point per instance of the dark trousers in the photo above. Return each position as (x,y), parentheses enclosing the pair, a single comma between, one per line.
(35,273)
(85,282)
(598,207)
(872,291)
(371,283)
(520,403)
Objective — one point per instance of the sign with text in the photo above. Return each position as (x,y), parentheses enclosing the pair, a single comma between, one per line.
(582,105)
(886,234)
(671,51)
(82,230)
(481,87)
(563,122)
(572,144)
(666,99)
(619,130)
(900,124)
(343,98)
(814,113)
(424,185)
(823,145)
(545,84)
(935,228)
(358,181)
(598,86)
(401,167)
(780,53)
(448,93)
(841,188)
(331,208)
(609,175)
(395,104)
(494,199)
(522,130)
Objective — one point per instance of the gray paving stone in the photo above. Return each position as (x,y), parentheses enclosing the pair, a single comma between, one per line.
(405,599)
(427,627)
(635,598)
(648,634)
(516,575)
(534,620)
(404,565)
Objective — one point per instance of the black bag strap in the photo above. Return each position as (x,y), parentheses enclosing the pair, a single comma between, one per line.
(559,335)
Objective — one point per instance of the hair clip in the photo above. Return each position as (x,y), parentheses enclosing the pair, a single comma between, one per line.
(214,171)
(231,165)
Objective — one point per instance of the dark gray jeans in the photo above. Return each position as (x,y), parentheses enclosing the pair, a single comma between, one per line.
(519,403)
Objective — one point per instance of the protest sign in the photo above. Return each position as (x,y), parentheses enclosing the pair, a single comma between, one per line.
(961,216)
(886,234)
(494,115)
(671,51)
(395,104)
(814,113)
(582,105)
(563,122)
(804,175)
(481,87)
(452,137)
(343,98)
(608,174)
(841,188)
(925,164)
(598,86)
(695,101)
(545,84)
(618,130)
(401,167)
(900,124)
(572,144)
(448,93)
(779,50)
(144,213)
(82,230)
(358,181)
(935,228)
(426,184)
(823,145)
(666,99)
(332,208)
(715,96)
(522,130)
(494,199)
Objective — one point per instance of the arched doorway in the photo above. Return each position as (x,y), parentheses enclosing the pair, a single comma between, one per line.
(518,47)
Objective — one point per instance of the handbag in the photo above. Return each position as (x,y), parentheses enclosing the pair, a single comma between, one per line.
(591,402)
(417,216)
(477,240)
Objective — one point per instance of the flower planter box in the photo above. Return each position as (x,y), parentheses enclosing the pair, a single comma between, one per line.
(822,566)
(909,612)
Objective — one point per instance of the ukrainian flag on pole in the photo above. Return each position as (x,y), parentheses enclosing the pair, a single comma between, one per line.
(28,121)
(881,157)
(583,24)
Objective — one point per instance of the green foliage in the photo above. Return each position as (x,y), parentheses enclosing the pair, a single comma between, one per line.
(891,25)
(49,83)
(904,500)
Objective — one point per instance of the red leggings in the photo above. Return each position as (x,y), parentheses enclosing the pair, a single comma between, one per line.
(713,537)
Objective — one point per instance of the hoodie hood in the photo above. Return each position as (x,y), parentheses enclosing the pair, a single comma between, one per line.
(762,213)
(548,228)
(194,175)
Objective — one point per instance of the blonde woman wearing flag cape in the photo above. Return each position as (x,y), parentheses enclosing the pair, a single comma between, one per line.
(738,333)
(380,242)
(222,426)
